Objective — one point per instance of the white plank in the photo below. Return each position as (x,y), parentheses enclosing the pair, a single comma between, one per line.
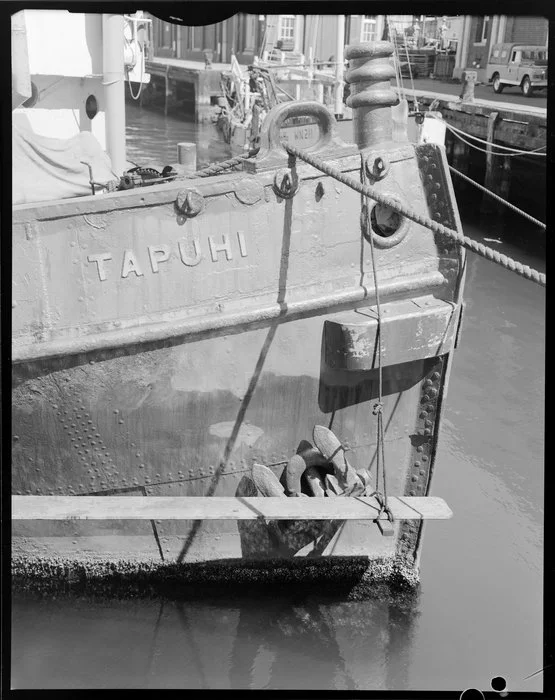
(221,508)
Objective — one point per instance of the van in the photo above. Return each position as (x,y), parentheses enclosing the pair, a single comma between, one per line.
(518,64)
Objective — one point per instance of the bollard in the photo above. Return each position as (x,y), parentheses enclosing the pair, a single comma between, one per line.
(187,156)
(469,80)
(208,57)
(369,74)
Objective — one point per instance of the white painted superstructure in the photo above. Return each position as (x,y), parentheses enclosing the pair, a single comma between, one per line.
(69,71)
(64,54)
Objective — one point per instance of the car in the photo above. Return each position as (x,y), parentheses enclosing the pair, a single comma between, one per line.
(521,65)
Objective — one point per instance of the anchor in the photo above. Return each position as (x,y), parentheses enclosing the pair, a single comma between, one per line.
(327,473)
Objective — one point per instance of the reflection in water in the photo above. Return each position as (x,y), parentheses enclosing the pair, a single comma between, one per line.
(273,644)
(152,138)
(479,613)
(278,641)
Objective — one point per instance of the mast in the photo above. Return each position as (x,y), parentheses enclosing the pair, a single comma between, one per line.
(114,86)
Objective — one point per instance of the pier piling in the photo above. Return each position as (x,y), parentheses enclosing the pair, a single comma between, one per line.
(498,171)
(167,90)
(187,156)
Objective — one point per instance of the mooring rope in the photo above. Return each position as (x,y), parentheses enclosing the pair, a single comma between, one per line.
(498,198)
(217,168)
(459,238)
(210,170)
(512,152)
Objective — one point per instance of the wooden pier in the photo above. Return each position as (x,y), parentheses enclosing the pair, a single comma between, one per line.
(505,124)
(520,127)
(205,83)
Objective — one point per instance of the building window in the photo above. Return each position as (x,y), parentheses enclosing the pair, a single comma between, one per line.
(287,27)
(368,28)
(482,29)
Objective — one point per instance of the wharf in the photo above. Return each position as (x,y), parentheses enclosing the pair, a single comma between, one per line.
(509,123)
(512,124)
(206,82)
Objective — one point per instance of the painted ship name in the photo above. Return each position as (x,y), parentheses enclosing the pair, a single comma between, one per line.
(189,252)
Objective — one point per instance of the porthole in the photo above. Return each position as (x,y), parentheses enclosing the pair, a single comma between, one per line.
(91,107)
(388,227)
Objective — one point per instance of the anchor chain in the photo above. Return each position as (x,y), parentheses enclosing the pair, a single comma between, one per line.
(468,243)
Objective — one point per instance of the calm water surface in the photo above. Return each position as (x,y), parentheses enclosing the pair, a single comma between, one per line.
(479,613)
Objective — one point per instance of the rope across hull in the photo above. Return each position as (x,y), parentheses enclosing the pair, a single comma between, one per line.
(168,339)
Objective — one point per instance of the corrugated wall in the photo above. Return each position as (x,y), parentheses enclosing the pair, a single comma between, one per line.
(528,30)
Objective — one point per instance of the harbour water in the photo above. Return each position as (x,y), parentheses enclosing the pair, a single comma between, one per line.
(479,611)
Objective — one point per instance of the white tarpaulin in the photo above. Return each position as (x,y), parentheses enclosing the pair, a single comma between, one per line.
(46,169)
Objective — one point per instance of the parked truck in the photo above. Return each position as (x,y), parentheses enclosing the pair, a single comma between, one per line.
(524,66)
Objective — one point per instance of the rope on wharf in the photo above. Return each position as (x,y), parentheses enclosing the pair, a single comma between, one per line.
(498,198)
(476,247)
(209,171)
(218,168)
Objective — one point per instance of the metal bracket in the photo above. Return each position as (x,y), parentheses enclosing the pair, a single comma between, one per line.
(272,153)
(286,183)
(189,202)
(377,166)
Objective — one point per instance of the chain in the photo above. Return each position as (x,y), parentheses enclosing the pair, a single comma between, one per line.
(459,238)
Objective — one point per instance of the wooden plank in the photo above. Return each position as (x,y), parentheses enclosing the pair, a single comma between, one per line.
(221,508)
(386,528)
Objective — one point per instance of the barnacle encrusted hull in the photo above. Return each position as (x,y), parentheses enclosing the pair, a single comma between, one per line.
(348,578)
(162,349)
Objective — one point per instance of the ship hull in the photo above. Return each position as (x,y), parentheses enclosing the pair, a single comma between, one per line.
(163,351)
(190,420)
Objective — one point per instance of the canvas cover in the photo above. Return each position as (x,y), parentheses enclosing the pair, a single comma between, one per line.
(45,169)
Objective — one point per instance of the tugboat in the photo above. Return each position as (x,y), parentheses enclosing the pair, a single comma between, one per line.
(249,95)
(266,333)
